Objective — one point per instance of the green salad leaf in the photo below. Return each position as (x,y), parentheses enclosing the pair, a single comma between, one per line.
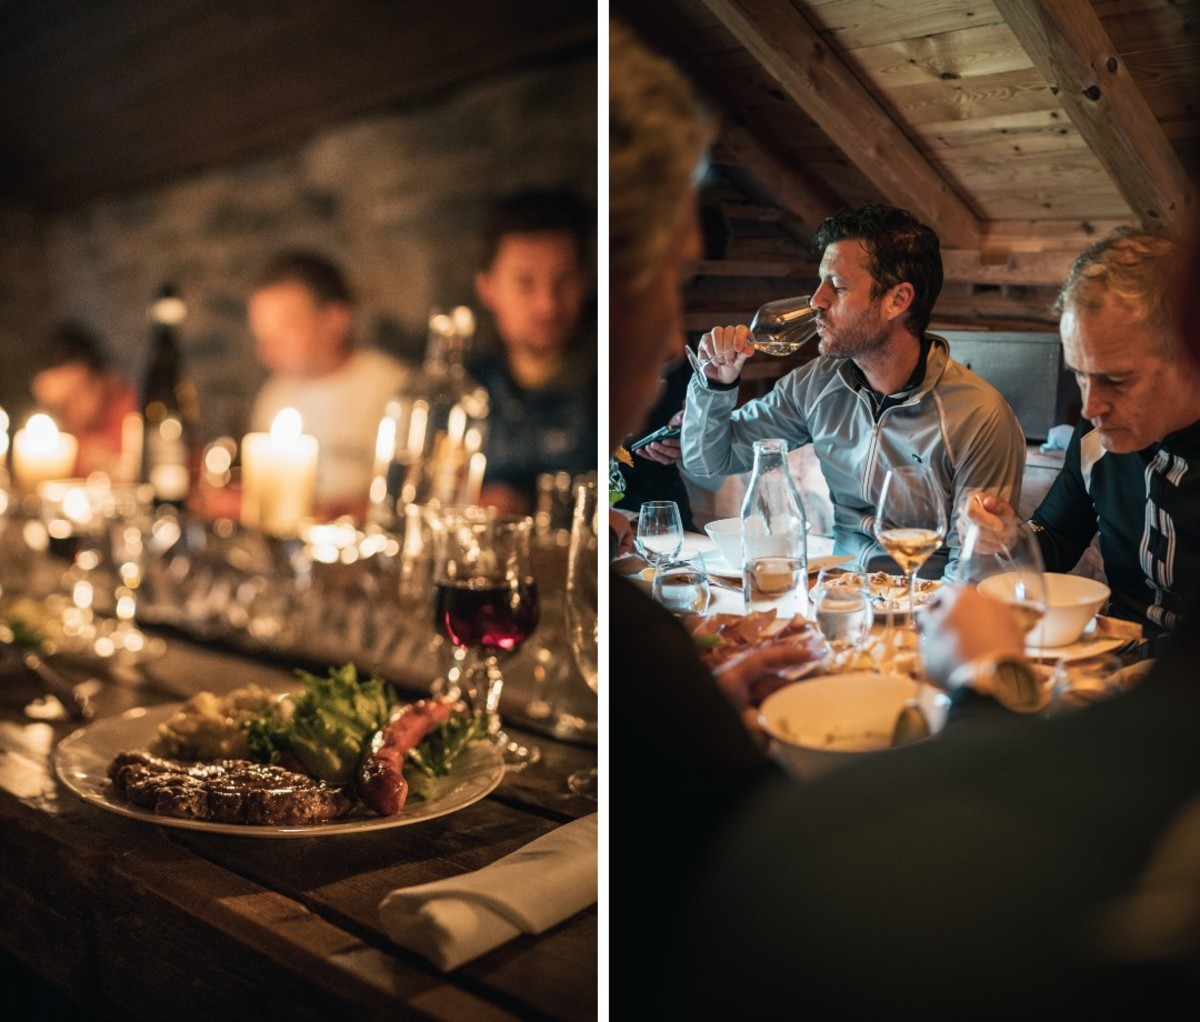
(328,725)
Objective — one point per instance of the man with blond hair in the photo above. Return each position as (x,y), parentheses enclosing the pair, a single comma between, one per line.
(1132,468)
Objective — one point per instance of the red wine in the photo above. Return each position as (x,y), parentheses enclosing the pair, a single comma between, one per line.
(486,612)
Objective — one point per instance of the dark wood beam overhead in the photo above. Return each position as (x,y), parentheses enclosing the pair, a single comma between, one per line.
(808,199)
(1069,45)
(781,39)
(116,94)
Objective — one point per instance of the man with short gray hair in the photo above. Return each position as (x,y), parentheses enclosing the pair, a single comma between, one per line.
(1132,468)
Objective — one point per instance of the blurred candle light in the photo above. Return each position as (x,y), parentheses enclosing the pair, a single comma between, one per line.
(279,473)
(41,452)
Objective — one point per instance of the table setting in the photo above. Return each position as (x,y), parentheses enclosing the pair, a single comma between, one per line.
(858,684)
(225,608)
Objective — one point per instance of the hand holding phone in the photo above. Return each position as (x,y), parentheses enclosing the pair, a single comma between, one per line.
(666,432)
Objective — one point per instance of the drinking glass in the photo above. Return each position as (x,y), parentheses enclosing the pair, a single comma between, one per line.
(1013,573)
(581,609)
(682,587)
(842,608)
(910,521)
(775,583)
(779,328)
(486,601)
(659,532)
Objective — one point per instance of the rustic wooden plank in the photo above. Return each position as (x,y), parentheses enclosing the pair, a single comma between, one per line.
(1168,77)
(784,42)
(1053,204)
(1136,24)
(1046,235)
(1075,168)
(963,53)
(795,189)
(1017,267)
(1071,48)
(849,24)
(1009,94)
(134,920)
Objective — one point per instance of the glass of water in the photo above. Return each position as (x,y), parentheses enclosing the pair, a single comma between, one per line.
(659,532)
(777,583)
(682,587)
(842,607)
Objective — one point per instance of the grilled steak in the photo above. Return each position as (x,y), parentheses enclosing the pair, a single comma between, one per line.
(226,791)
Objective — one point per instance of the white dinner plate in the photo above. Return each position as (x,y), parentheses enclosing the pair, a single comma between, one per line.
(82,758)
(715,564)
(893,597)
(1087,645)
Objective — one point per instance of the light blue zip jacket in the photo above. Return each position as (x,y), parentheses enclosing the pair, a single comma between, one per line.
(954,422)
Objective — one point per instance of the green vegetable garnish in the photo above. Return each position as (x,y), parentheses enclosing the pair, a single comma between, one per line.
(329,723)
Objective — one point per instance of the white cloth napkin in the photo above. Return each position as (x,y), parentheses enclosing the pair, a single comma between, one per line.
(452,921)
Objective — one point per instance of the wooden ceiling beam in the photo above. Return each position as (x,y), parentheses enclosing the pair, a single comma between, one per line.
(1011,267)
(1070,47)
(792,51)
(810,202)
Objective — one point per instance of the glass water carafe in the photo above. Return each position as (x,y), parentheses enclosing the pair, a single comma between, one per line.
(429,447)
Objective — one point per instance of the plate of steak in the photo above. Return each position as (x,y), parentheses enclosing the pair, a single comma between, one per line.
(107,763)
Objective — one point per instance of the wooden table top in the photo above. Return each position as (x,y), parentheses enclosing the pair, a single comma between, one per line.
(149,921)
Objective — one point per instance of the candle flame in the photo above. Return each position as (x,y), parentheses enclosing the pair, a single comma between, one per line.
(41,433)
(285,430)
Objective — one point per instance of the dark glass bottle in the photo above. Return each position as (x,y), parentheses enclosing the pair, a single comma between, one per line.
(169,407)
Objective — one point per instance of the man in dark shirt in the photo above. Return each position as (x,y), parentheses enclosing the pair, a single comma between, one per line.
(542,381)
(1133,463)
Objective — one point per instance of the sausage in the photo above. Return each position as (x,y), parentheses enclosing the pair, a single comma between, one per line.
(381,783)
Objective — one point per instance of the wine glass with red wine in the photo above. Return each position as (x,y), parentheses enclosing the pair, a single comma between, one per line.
(486,601)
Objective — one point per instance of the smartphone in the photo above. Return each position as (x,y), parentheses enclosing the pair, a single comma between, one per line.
(659,434)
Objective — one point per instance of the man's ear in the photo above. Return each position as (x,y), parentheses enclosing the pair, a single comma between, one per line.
(899,299)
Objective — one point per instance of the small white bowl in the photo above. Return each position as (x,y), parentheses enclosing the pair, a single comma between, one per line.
(1071,602)
(727,534)
(821,723)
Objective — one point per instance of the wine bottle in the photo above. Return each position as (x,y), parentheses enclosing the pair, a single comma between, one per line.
(169,407)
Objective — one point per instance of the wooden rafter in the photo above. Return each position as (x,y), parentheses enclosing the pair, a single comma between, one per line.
(811,202)
(783,41)
(1070,47)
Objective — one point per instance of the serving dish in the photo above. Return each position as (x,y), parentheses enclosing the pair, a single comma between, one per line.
(81,762)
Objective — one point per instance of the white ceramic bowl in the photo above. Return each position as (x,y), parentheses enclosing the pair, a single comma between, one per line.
(820,723)
(727,534)
(1071,602)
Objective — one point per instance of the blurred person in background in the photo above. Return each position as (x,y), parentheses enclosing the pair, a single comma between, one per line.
(301,314)
(1132,468)
(541,379)
(1019,867)
(76,385)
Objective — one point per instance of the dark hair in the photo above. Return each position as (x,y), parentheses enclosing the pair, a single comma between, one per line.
(899,248)
(309,269)
(69,342)
(537,211)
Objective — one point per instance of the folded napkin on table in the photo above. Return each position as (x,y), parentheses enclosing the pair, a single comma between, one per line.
(454,920)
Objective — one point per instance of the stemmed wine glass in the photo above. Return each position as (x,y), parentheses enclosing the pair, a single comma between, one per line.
(659,532)
(778,328)
(486,601)
(581,609)
(1008,568)
(910,521)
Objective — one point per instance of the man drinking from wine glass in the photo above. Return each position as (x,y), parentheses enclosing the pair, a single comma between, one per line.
(883,392)
(1132,468)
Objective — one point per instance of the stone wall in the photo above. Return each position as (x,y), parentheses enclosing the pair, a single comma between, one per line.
(398,199)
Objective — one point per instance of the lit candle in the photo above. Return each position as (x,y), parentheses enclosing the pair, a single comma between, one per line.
(279,473)
(475,470)
(41,452)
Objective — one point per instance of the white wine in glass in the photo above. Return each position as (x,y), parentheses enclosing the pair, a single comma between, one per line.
(910,521)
